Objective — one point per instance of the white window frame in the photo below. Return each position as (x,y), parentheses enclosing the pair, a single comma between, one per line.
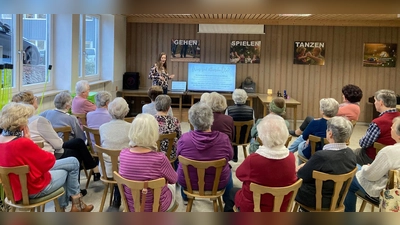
(82,47)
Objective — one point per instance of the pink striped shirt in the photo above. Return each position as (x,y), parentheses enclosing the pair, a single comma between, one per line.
(144,167)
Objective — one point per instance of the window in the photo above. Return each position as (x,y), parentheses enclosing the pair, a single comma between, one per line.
(89,45)
(26,45)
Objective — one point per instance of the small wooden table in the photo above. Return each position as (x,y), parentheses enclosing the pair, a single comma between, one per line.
(143,93)
(290,103)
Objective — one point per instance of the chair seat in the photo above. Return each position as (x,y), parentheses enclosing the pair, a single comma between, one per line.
(174,207)
(34,201)
(310,209)
(208,194)
(369,199)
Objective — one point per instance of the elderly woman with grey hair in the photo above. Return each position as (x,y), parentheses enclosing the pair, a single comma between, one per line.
(95,119)
(204,144)
(114,135)
(222,122)
(336,158)
(328,108)
(80,104)
(59,117)
(240,112)
(166,123)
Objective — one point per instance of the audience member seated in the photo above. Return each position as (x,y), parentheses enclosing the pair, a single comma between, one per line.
(59,117)
(203,144)
(240,112)
(204,97)
(41,130)
(328,108)
(114,135)
(222,123)
(96,118)
(277,107)
(141,162)
(379,128)
(350,108)
(46,174)
(336,158)
(150,108)
(272,165)
(167,124)
(372,178)
(80,103)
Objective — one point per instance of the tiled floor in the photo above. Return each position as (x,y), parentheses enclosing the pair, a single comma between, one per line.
(95,190)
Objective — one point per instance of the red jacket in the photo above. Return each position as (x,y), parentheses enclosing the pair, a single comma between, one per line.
(23,151)
(268,172)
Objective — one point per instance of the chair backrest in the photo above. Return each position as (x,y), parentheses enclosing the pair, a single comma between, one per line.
(279,194)
(96,134)
(66,130)
(353,122)
(201,167)
(137,188)
(21,172)
(339,193)
(286,144)
(378,146)
(114,155)
(81,117)
(239,125)
(313,140)
(129,119)
(171,140)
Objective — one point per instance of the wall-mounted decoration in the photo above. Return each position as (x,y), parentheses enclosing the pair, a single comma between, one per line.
(309,53)
(245,52)
(379,55)
(185,50)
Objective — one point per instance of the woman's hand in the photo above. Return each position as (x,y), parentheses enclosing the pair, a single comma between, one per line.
(26,132)
(171,76)
(299,167)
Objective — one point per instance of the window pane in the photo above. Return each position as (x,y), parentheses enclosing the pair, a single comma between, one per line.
(34,59)
(7,49)
(91,45)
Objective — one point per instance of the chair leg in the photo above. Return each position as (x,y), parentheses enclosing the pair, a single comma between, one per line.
(89,177)
(12,209)
(220,204)
(57,205)
(103,199)
(215,205)
(39,209)
(244,151)
(189,205)
(363,204)
(372,207)
(112,193)
(296,207)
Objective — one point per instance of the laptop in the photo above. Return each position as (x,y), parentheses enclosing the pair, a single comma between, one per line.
(178,86)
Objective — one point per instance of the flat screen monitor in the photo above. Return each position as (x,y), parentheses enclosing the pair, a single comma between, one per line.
(207,77)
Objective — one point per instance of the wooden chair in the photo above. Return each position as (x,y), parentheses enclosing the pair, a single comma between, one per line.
(108,182)
(238,128)
(81,117)
(66,131)
(26,202)
(171,140)
(312,141)
(378,146)
(40,144)
(286,144)
(354,122)
(201,167)
(129,119)
(137,188)
(96,134)
(341,187)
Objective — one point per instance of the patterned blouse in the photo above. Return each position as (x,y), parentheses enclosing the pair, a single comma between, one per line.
(168,124)
(155,75)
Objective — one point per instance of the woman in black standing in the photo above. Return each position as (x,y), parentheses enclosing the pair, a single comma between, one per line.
(159,73)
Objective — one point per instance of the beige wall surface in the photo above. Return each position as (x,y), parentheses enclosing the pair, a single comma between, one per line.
(305,83)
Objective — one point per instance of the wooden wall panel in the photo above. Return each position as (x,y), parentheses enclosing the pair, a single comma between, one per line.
(307,84)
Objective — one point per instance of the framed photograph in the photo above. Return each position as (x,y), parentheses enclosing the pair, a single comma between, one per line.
(245,52)
(309,53)
(185,50)
(379,55)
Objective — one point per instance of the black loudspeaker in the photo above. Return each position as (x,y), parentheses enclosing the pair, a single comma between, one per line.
(131,81)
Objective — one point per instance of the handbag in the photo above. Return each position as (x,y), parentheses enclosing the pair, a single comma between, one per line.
(390,197)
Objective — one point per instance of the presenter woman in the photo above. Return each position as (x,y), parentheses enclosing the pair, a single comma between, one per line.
(159,74)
